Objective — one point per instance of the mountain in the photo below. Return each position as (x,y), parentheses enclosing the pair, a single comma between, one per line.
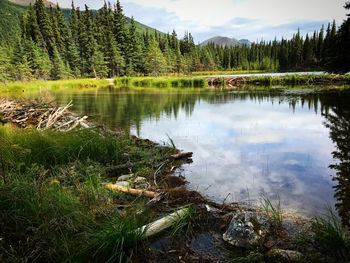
(245,42)
(28,2)
(225,41)
(11,11)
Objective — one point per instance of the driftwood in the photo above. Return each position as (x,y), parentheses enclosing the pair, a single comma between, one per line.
(163,223)
(183,155)
(132,191)
(41,115)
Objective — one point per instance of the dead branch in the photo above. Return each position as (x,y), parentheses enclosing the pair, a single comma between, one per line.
(131,191)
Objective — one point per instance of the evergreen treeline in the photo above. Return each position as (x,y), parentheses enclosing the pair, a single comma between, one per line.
(100,44)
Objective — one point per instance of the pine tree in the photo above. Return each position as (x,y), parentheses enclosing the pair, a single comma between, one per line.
(341,63)
(5,65)
(155,63)
(133,58)
(120,30)
(58,70)
(45,26)
(39,60)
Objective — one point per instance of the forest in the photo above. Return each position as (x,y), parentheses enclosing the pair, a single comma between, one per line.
(85,43)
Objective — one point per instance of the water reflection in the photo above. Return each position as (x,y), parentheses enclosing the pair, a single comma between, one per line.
(338,121)
(244,143)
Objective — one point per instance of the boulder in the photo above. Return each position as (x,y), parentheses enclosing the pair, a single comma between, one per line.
(246,229)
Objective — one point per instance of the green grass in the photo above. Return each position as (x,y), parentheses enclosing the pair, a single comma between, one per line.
(184,226)
(272,210)
(332,238)
(43,85)
(226,72)
(161,82)
(297,80)
(52,198)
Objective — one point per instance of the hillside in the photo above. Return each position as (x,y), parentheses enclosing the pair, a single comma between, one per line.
(225,41)
(9,20)
(10,14)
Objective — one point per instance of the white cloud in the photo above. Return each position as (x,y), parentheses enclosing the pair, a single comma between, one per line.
(252,19)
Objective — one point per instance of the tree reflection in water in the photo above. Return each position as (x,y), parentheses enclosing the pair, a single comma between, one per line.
(338,121)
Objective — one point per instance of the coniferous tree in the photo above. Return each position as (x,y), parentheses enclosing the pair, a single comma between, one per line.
(155,63)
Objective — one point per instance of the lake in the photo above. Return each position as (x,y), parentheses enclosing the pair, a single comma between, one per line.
(246,143)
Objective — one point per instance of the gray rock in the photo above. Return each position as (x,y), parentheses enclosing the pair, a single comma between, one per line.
(142,186)
(125,177)
(123,183)
(285,255)
(246,228)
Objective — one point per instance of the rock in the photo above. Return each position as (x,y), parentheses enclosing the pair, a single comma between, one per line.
(142,186)
(245,229)
(125,177)
(139,180)
(285,255)
(123,183)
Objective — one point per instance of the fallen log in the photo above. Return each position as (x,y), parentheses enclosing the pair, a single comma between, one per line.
(131,191)
(182,155)
(163,223)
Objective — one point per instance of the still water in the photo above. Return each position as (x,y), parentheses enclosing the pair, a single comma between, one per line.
(246,143)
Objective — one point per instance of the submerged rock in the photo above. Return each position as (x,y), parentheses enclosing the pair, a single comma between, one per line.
(245,229)
(285,255)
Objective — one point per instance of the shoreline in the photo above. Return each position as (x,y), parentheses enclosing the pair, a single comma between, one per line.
(277,232)
(260,80)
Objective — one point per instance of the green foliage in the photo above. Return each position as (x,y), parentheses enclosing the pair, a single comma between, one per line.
(272,211)
(155,62)
(332,237)
(52,198)
(71,43)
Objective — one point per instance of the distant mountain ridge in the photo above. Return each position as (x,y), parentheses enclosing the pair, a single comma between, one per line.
(225,42)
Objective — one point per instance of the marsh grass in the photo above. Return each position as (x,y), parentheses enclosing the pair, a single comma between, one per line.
(226,72)
(293,80)
(272,210)
(44,85)
(332,237)
(184,226)
(161,82)
(53,203)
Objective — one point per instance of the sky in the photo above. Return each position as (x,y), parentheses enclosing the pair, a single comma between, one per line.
(242,19)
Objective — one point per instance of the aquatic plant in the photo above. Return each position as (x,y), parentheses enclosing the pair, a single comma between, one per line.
(332,237)
(272,210)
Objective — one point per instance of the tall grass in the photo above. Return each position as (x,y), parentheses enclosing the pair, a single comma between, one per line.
(272,210)
(332,238)
(53,204)
(42,85)
(161,82)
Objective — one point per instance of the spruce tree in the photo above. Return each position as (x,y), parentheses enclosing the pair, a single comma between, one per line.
(155,63)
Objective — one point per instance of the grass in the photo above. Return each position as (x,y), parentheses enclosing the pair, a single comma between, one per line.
(52,200)
(42,85)
(226,72)
(161,82)
(184,226)
(273,211)
(332,238)
(298,80)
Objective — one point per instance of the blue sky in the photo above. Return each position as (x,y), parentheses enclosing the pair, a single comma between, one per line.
(250,19)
